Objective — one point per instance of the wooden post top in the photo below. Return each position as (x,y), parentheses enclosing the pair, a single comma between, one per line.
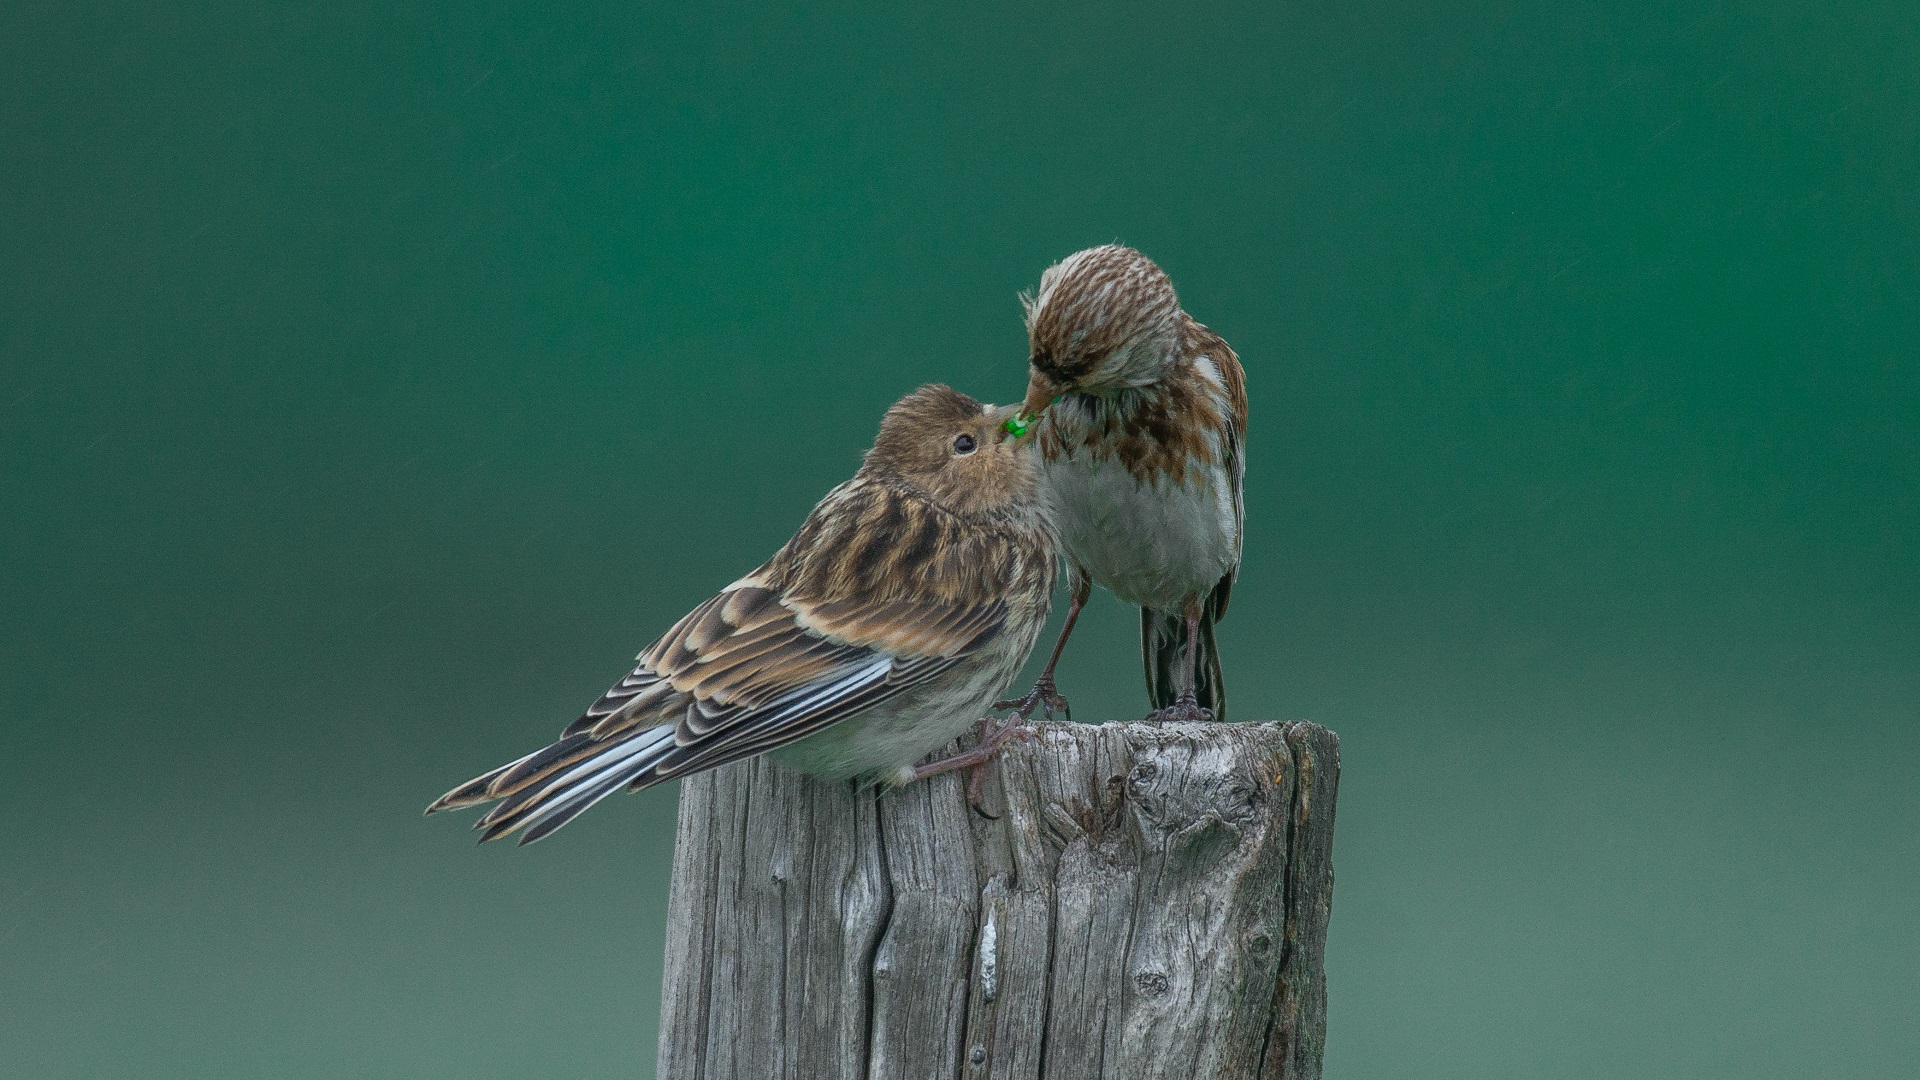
(1150,901)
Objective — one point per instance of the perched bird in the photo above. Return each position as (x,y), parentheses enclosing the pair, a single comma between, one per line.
(910,596)
(1140,414)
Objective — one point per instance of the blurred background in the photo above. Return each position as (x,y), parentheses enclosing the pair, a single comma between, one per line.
(377,379)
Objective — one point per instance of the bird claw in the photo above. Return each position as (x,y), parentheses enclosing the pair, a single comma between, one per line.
(1184,710)
(993,739)
(1044,696)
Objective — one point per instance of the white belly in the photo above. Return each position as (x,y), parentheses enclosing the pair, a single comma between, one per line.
(1154,545)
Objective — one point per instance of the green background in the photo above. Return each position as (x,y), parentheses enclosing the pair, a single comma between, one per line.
(375,379)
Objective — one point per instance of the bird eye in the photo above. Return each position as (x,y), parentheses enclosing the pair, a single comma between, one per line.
(963,444)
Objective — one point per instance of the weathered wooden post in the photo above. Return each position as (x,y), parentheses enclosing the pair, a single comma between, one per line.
(1151,902)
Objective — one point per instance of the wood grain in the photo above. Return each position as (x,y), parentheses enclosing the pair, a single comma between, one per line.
(1151,901)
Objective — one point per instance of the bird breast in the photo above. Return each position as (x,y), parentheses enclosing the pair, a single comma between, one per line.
(1156,541)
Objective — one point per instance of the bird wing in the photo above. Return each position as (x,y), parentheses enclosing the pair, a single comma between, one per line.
(759,668)
(799,644)
(1232,454)
(1234,460)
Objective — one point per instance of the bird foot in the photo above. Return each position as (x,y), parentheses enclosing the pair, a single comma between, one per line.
(993,739)
(1184,710)
(1044,696)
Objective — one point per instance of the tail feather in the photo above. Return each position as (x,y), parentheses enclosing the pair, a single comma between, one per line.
(549,820)
(1163,649)
(548,815)
(474,791)
(542,764)
(550,787)
(580,768)
(586,780)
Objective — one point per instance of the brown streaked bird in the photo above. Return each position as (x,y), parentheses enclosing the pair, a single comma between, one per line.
(910,596)
(1145,413)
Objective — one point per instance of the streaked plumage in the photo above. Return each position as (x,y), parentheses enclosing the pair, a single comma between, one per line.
(909,597)
(1145,412)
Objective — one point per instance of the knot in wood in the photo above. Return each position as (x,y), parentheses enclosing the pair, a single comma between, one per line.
(1175,785)
(1143,775)
(1152,903)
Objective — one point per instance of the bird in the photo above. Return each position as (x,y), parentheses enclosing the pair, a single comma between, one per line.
(1140,417)
(909,597)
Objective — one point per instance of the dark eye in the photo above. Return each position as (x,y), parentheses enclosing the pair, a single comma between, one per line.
(963,444)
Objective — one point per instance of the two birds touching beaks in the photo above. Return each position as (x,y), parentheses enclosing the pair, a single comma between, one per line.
(914,592)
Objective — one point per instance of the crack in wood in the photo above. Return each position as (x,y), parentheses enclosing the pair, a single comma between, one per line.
(1151,901)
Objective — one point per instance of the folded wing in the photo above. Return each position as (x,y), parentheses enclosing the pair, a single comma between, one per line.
(754,668)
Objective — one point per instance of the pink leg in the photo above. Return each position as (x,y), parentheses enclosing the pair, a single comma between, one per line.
(993,739)
(1044,694)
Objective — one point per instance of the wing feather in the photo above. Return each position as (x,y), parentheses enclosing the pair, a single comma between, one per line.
(778,655)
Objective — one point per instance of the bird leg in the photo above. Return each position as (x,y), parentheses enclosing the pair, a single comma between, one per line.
(1044,694)
(1186,708)
(993,739)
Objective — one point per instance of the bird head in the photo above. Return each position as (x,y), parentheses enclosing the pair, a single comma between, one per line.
(957,451)
(1103,320)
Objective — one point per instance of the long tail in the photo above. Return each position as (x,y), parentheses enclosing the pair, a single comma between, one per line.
(1163,648)
(550,787)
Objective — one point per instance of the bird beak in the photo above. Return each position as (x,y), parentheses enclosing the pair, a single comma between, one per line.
(1041,392)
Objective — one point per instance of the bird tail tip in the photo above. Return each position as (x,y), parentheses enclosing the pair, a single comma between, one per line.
(571,776)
